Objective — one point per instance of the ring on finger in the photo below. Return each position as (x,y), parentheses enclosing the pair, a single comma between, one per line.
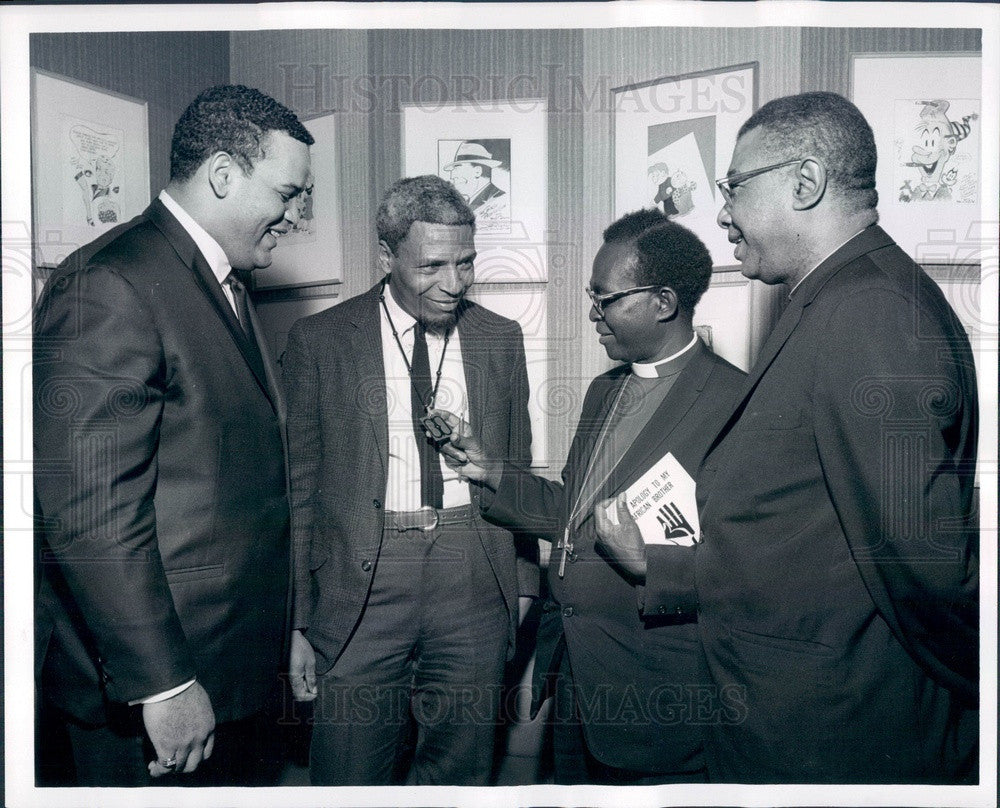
(169,763)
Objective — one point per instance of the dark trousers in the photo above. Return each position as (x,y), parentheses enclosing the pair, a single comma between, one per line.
(117,754)
(573,762)
(414,697)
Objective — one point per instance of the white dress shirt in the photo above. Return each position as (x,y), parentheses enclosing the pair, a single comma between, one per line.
(403,483)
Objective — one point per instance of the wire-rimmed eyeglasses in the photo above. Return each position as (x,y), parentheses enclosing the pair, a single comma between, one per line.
(727,184)
(600,301)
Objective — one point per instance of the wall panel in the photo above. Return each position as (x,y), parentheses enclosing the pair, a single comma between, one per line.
(167,70)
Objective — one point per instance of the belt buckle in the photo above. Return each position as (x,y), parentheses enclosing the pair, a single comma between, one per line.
(436,519)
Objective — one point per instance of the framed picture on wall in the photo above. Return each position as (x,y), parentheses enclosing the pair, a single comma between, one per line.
(924,109)
(90,163)
(494,153)
(673,137)
(311,253)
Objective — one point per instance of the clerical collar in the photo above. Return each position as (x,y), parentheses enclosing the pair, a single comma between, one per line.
(819,263)
(664,367)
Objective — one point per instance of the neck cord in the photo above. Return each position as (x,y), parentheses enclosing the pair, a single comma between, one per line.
(409,368)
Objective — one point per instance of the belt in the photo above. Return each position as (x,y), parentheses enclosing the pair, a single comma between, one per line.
(427,518)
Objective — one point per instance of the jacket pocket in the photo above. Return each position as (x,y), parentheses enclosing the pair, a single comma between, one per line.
(199,573)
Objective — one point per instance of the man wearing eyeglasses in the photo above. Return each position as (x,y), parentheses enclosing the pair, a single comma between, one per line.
(837,572)
(628,695)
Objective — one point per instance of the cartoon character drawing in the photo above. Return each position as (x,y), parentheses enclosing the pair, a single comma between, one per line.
(937,140)
(682,192)
(659,175)
(98,193)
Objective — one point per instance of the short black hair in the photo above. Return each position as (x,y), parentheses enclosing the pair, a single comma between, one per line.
(632,224)
(665,254)
(233,119)
(427,198)
(828,127)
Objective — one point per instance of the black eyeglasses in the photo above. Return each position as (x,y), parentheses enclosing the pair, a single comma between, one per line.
(600,301)
(727,184)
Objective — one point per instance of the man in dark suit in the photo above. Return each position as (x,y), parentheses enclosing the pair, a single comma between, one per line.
(159,466)
(625,670)
(836,582)
(406,600)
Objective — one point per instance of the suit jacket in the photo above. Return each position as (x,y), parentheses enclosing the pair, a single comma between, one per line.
(160,480)
(837,576)
(634,664)
(339,452)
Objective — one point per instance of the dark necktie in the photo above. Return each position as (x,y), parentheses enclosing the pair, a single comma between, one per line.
(431,480)
(242,304)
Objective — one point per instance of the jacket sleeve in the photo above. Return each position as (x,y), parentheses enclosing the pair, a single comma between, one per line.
(896,431)
(301,382)
(99,384)
(519,452)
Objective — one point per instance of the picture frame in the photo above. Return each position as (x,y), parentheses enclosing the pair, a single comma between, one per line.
(312,253)
(89,160)
(924,110)
(673,137)
(494,152)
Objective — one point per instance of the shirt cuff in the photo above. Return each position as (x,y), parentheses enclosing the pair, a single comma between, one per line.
(166,694)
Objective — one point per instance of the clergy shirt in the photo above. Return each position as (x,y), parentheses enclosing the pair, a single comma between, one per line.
(403,482)
(210,250)
(639,398)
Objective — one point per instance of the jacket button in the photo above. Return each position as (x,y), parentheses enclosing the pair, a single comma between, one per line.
(678,610)
(662,610)
(377,503)
(366,565)
(567,611)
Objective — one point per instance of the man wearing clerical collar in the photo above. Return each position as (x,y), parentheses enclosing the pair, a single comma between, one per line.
(619,665)
(406,600)
(836,580)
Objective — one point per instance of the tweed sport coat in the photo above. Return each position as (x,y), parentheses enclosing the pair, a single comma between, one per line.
(339,450)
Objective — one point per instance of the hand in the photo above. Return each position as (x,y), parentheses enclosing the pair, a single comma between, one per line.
(623,541)
(302,668)
(465,454)
(181,728)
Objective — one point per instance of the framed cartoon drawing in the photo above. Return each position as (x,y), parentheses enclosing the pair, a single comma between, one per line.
(494,153)
(673,138)
(90,163)
(924,110)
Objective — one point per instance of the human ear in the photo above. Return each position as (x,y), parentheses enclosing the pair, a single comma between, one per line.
(666,300)
(810,184)
(221,168)
(384,257)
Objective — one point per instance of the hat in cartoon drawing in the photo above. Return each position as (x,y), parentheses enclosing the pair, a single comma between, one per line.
(472,152)
(937,139)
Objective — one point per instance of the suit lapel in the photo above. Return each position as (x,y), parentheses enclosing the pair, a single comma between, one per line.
(191,256)
(592,427)
(872,238)
(475,368)
(366,351)
(653,440)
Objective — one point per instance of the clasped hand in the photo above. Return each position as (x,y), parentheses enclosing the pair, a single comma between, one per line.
(620,539)
(463,452)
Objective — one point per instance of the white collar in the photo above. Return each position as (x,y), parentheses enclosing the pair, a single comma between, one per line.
(213,254)
(648,370)
(400,317)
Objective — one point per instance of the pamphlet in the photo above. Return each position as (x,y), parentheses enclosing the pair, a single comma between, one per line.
(663,505)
